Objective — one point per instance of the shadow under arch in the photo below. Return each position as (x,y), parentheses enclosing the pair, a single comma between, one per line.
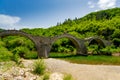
(101,43)
(79,44)
(97,40)
(16,33)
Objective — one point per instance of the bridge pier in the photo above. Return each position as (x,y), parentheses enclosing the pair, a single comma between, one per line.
(43,51)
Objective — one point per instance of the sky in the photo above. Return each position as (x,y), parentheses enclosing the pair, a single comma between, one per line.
(18,14)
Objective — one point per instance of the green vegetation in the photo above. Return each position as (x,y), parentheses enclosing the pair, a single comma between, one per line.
(104,23)
(39,67)
(91,59)
(16,58)
(46,76)
(68,77)
(15,47)
(60,55)
(5,54)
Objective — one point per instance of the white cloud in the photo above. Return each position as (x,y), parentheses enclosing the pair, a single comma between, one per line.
(102,4)
(91,4)
(8,22)
(105,4)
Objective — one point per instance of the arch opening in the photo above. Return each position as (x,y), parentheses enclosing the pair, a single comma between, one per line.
(98,42)
(63,46)
(95,45)
(75,44)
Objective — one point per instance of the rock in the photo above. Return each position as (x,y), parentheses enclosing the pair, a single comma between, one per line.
(56,76)
(6,76)
(30,76)
(18,78)
(21,72)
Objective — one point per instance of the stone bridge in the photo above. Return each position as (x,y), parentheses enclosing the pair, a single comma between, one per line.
(44,44)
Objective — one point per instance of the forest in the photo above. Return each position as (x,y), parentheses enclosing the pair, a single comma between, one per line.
(104,23)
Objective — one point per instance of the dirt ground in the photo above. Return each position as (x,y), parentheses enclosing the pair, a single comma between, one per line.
(80,71)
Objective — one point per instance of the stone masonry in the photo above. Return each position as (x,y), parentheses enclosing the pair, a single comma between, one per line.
(44,44)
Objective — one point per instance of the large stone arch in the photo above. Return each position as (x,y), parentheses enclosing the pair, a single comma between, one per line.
(79,43)
(20,33)
(16,32)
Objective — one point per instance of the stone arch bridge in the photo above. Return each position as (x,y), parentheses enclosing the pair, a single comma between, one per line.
(44,44)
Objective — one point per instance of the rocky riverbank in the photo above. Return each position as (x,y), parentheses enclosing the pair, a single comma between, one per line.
(24,71)
(57,69)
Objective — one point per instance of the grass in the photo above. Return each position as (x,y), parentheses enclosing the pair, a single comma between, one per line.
(60,55)
(39,67)
(96,59)
(46,76)
(68,77)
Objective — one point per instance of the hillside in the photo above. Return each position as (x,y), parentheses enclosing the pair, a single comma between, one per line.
(104,23)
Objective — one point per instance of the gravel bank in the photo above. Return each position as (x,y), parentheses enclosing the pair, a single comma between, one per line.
(83,71)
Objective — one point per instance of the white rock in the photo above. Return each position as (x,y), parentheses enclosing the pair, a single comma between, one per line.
(19,78)
(6,76)
(56,76)
(21,72)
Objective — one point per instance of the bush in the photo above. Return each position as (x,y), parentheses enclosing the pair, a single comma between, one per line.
(39,67)
(46,76)
(106,51)
(21,51)
(5,55)
(31,55)
(2,43)
(116,42)
(68,77)
(117,50)
(16,58)
(95,49)
(24,52)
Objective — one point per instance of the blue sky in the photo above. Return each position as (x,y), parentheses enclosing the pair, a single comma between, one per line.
(46,13)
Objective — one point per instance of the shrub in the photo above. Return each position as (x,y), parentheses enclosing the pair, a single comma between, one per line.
(116,42)
(39,66)
(21,51)
(2,43)
(46,76)
(95,49)
(117,50)
(16,58)
(68,77)
(5,55)
(31,55)
(106,51)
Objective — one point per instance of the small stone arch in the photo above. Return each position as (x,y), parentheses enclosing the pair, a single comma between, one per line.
(79,43)
(98,40)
